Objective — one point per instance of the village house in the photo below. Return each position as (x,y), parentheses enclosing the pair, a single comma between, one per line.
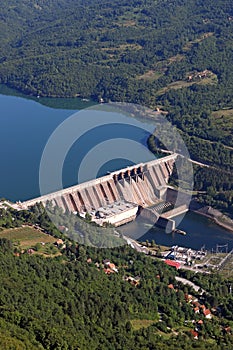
(172,263)
(207,313)
(202,307)
(109,265)
(188,298)
(227,330)
(194,334)
(134,281)
(108,271)
(170,286)
(59,242)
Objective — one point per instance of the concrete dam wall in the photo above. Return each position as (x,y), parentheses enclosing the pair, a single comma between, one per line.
(143,184)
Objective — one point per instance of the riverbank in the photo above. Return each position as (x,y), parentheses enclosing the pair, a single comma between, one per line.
(216,216)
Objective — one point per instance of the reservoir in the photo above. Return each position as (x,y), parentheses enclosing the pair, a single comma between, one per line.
(26,126)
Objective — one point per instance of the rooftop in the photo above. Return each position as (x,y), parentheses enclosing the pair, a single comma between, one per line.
(112,209)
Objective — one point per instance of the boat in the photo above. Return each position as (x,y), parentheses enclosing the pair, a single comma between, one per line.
(181,232)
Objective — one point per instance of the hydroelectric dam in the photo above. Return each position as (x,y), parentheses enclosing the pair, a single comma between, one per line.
(116,197)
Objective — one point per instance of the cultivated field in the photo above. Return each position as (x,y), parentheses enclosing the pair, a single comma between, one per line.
(26,236)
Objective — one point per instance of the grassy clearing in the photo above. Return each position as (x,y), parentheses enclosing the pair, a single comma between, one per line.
(226,113)
(204,36)
(160,68)
(122,48)
(179,84)
(151,75)
(138,324)
(223,120)
(26,236)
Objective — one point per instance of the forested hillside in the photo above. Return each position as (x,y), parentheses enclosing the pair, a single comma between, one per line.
(62,304)
(176,55)
(101,299)
(68,47)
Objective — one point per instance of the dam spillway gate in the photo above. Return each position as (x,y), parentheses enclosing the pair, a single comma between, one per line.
(119,192)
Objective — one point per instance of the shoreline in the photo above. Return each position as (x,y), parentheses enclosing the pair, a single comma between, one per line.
(75,102)
(227,226)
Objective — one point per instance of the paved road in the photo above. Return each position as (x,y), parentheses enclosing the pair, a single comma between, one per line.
(193,285)
(136,245)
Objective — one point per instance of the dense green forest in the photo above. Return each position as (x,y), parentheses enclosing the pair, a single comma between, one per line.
(69,302)
(65,48)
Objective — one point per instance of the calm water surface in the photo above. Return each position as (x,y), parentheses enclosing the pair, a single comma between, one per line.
(200,231)
(25,127)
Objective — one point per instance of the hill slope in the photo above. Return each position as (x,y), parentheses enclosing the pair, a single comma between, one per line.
(65,48)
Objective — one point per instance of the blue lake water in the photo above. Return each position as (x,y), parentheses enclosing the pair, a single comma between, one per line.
(25,127)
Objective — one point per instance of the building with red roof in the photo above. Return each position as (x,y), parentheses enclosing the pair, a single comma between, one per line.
(194,334)
(172,263)
(207,313)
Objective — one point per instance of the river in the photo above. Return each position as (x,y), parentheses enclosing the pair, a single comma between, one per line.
(200,231)
(27,124)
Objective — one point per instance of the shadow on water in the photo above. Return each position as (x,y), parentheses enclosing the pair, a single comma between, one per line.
(73,103)
(199,231)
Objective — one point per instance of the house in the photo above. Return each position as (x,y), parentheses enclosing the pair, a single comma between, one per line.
(89,260)
(59,242)
(170,286)
(109,265)
(172,263)
(108,271)
(134,281)
(106,261)
(207,313)
(200,322)
(188,298)
(196,310)
(203,308)
(227,330)
(194,334)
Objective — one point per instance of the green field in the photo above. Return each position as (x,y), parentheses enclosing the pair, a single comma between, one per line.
(138,324)
(185,84)
(26,236)
(223,120)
